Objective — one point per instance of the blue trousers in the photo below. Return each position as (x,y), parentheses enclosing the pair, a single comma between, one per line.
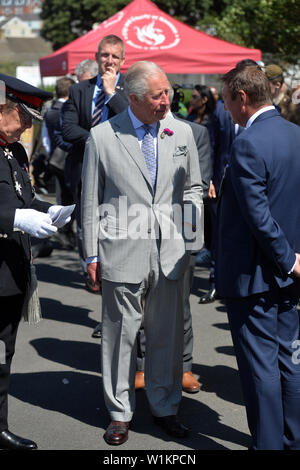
(265,334)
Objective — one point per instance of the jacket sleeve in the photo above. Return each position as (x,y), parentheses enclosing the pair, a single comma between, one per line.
(249,179)
(71,129)
(193,198)
(117,103)
(203,147)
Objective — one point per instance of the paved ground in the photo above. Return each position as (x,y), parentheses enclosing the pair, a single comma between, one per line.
(56,396)
(56,389)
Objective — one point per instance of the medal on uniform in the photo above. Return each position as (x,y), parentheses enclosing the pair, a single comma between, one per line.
(18,187)
(8,153)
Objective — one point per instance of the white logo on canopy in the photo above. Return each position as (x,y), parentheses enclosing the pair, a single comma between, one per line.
(150,32)
(114,19)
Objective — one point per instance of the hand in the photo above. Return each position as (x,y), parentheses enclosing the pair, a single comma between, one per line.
(296,270)
(94,272)
(35,223)
(212,191)
(108,81)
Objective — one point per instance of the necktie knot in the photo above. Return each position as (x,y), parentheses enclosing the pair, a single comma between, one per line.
(148,129)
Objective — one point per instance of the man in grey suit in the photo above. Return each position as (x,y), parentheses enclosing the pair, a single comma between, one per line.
(141,185)
(189,381)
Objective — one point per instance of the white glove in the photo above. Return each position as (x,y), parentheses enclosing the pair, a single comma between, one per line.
(60,215)
(35,223)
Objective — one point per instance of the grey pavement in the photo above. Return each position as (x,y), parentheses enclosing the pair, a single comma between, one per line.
(56,394)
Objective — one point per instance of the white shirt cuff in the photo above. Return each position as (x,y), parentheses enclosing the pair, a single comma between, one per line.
(109,98)
(290,272)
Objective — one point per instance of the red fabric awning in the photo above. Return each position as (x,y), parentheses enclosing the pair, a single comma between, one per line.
(150,34)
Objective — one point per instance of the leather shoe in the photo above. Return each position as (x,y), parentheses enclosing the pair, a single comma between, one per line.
(189,383)
(211,296)
(116,433)
(8,440)
(171,425)
(139,380)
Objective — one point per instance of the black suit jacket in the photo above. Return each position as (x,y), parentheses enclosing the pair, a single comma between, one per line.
(76,118)
(51,118)
(15,253)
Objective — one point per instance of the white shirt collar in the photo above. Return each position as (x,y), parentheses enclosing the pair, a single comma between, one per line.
(255,115)
(137,123)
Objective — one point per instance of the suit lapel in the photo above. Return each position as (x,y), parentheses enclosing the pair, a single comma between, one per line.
(128,138)
(89,98)
(165,149)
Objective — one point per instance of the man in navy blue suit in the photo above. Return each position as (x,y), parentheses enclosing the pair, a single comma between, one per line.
(257,258)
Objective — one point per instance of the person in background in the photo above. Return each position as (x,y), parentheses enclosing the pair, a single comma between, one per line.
(91,102)
(22,216)
(202,105)
(57,158)
(215,93)
(189,382)
(274,74)
(86,69)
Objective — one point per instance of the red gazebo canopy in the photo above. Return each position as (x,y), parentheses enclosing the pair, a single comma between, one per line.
(151,34)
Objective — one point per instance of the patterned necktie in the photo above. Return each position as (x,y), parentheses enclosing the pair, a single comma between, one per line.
(149,154)
(97,114)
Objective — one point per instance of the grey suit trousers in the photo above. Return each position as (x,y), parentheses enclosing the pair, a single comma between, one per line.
(188,336)
(123,306)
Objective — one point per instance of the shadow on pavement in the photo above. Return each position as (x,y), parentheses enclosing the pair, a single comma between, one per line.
(224,381)
(58,311)
(204,424)
(74,394)
(79,396)
(75,354)
(70,275)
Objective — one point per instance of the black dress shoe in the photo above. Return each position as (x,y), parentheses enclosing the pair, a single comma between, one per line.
(211,296)
(171,425)
(8,440)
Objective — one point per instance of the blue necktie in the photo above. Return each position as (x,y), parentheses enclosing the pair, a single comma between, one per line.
(149,154)
(97,114)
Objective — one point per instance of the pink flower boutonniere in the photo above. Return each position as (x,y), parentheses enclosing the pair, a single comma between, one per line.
(166,132)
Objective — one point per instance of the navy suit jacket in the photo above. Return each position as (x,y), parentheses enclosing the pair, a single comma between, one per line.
(222,134)
(77,117)
(259,214)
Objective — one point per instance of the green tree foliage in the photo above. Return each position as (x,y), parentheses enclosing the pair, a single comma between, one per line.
(65,20)
(270,25)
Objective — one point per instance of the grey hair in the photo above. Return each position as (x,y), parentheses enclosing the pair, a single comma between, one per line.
(137,77)
(87,65)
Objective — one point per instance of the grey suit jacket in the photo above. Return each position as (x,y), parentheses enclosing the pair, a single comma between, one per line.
(121,214)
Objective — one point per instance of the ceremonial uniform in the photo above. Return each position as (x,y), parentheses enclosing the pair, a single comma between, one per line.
(21,216)
(15,255)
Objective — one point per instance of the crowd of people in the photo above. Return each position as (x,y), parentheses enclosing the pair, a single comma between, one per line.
(125,152)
